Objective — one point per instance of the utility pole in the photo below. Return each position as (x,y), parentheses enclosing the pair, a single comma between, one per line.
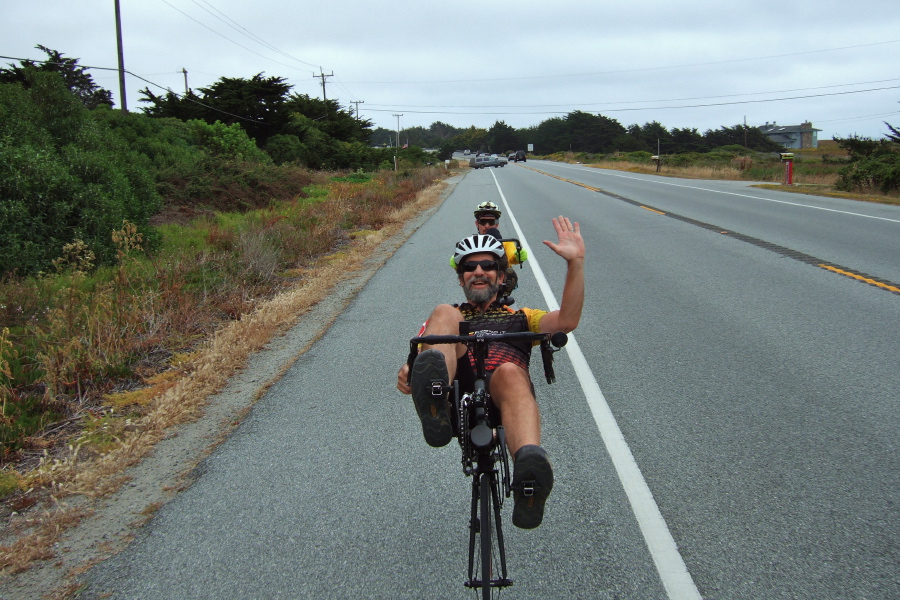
(745,131)
(121,58)
(323,76)
(398,139)
(357,103)
(398,128)
(186,88)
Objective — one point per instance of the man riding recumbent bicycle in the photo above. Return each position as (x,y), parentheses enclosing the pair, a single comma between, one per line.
(483,348)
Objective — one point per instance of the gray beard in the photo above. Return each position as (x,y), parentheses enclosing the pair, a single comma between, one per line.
(481,296)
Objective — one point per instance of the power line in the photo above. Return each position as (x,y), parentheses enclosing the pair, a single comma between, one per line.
(228,38)
(246,32)
(824,87)
(507,112)
(631,70)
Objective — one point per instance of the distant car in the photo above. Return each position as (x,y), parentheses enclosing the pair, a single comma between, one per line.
(466,152)
(480,162)
(520,155)
(511,157)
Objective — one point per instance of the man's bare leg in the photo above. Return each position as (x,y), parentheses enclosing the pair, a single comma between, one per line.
(445,320)
(511,392)
(436,363)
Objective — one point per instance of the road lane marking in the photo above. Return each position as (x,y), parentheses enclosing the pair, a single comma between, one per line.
(694,187)
(669,563)
(862,278)
(659,212)
(878,282)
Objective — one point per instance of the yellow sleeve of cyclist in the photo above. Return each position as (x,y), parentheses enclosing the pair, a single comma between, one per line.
(534,317)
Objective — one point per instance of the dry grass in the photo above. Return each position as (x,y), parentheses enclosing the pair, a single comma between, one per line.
(43,532)
(178,396)
(814,183)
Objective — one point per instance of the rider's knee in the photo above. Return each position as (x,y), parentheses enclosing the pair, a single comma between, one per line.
(510,376)
(445,313)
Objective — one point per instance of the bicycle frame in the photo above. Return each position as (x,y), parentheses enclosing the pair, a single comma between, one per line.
(483,443)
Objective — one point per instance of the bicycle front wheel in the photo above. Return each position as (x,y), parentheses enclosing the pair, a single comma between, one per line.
(486,531)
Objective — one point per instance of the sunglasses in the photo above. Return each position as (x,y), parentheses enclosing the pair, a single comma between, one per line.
(488,221)
(486,265)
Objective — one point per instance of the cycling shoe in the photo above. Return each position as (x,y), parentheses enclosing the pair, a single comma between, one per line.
(428,372)
(532,482)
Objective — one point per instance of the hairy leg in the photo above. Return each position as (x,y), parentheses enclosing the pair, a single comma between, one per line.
(445,321)
(511,392)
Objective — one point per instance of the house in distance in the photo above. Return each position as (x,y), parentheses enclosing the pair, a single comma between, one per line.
(795,137)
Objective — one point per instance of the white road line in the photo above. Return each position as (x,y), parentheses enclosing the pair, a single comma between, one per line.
(694,187)
(669,564)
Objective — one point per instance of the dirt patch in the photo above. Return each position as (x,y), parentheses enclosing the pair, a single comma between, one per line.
(57,540)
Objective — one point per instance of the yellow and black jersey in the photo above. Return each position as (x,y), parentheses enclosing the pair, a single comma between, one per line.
(503,319)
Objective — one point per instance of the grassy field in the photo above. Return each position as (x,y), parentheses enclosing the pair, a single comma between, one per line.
(815,170)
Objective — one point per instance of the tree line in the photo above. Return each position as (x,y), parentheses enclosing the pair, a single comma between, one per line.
(76,169)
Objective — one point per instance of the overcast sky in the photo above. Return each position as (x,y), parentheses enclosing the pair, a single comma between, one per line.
(687,64)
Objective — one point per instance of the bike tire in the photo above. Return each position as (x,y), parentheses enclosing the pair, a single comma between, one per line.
(486,531)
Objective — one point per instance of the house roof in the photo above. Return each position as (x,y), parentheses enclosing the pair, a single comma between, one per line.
(780,138)
(784,129)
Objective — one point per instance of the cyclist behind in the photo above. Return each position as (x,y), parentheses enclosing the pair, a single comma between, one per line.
(481,268)
(487,222)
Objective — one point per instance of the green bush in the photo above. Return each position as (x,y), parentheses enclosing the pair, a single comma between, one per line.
(880,172)
(226,141)
(638,156)
(65,177)
(285,149)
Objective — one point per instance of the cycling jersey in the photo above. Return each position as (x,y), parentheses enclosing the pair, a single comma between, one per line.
(498,318)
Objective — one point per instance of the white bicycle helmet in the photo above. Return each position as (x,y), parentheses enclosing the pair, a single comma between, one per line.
(487,208)
(475,244)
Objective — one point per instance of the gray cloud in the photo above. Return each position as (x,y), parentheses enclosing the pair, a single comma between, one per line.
(696,64)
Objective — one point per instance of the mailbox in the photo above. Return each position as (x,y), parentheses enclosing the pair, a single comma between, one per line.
(788,159)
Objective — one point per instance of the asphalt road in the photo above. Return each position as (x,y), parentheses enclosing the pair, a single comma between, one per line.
(755,395)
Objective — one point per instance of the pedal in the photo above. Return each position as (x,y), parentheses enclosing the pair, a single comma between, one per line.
(528,488)
(437,389)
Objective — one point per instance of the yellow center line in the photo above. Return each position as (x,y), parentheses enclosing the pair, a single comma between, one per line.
(861,278)
(653,210)
(850,274)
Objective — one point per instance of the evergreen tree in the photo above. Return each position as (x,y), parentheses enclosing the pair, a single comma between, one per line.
(76,78)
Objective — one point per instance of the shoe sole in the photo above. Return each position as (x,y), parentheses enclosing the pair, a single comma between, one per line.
(429,366)
(528,511)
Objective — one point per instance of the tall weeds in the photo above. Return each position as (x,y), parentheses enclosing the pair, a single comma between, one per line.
(72,338)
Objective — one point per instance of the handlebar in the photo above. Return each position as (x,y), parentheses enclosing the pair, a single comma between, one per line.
(558,339)
(550,343)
